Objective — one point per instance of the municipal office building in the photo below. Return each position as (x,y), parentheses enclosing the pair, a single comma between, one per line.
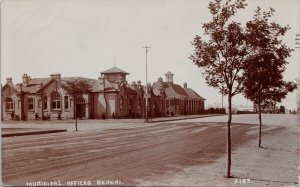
(111,97)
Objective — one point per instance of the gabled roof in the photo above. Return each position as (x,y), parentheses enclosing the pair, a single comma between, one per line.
(11,85)
(114,70)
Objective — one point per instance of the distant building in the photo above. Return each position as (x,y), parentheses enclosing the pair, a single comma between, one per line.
(111,97)
(179,100)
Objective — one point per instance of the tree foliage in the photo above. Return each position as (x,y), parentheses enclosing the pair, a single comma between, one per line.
(221,53)
(75,87)
(263,70)
(246,59)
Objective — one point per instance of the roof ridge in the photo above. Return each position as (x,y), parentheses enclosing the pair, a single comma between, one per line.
(114,69)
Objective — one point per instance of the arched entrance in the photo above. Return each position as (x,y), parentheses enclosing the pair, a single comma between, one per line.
(80,107)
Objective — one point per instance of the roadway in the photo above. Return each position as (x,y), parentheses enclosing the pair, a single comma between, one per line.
(149,154)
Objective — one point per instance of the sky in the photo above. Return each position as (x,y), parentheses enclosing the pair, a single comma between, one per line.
(86,37)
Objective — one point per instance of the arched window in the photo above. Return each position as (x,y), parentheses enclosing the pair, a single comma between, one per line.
(55,100)
(9,104)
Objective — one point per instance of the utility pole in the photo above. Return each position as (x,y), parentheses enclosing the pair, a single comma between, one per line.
(298,79)
(222,101)
(146,95)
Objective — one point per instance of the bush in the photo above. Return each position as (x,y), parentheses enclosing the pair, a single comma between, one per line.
(172,113)
(24,118)
(103,116)
(17,117)
(46,117)
(36,116)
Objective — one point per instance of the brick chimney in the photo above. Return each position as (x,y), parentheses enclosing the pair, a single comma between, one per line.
(19,86)
(185,85)
(160,80)
(25,79)
(9,80)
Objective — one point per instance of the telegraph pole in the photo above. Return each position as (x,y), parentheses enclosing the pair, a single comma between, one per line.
(146,95)
(298,79)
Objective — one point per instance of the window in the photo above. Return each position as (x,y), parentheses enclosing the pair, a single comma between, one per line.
(55,100)
(45,103)
(172,102)
(139,103)
(66,102)
(129,103)
(121,103)
(167,103)
(9,104)
(31,103)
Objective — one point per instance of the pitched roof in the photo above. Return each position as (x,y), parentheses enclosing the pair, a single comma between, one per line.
(129,90)
(169,73)
(192,94)
(171,90)
(39,81)
(176,91)
(107,86)
(10,84)
(93,82)
(114,70)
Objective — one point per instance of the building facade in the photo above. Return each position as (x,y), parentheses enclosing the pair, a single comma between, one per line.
(111,97)
(179,100)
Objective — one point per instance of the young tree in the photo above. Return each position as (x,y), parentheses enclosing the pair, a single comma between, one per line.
(264,84)
(77,88)
(221,54)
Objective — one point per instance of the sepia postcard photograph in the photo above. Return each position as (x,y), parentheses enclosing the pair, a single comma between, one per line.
(150,93)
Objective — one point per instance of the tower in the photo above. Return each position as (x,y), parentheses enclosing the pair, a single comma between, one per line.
(169,77)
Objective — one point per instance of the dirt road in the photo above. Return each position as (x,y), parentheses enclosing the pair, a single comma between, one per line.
(135,156)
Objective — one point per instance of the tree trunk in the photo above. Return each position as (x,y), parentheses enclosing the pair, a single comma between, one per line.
(229,137)
(75,112)
(259,132)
